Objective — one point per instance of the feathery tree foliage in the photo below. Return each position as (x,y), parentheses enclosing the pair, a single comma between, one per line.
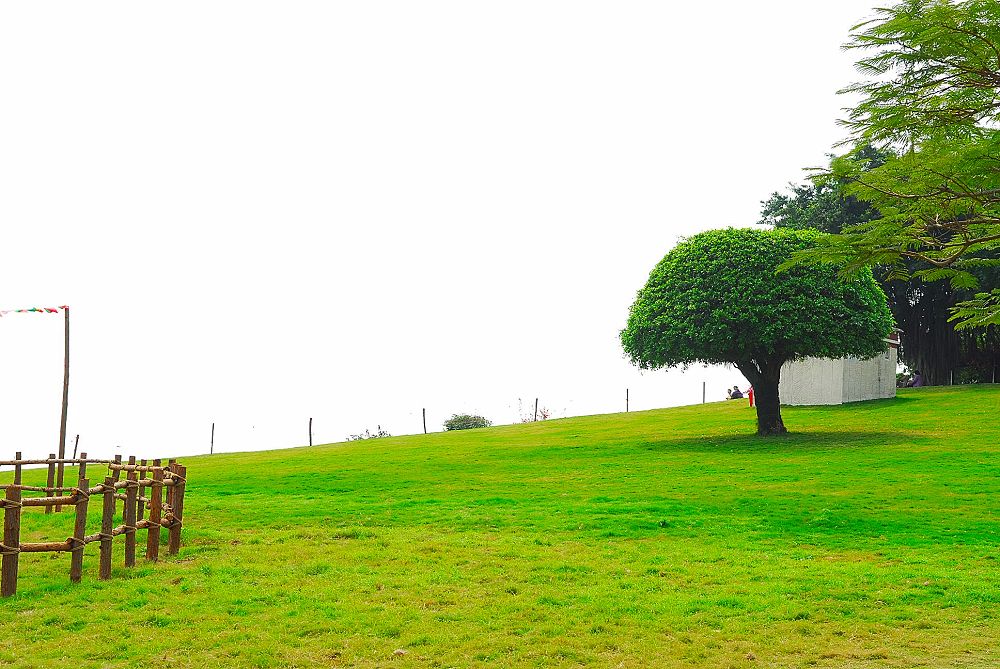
(716,299)
(921,309)
(933,96)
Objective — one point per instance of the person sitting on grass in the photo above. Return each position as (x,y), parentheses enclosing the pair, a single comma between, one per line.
(735,393)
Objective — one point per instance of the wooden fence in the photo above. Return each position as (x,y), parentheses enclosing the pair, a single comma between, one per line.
(141,490)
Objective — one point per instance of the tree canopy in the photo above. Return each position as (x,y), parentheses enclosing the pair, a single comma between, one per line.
(716,299)
(932,96)
(921,309)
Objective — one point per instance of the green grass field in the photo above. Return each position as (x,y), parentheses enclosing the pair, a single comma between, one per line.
(868,538)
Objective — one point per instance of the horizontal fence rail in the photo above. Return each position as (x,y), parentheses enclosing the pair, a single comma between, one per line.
(142,489)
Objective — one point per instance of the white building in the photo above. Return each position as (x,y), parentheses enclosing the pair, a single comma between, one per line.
(826,381)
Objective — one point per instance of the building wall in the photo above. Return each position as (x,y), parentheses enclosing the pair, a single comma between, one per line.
(825,381)
(812,381)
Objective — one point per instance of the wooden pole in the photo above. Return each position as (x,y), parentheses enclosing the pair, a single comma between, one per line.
(155,504)
(80,527)
(65,398)
(116,473)
(211,446)
(60,472)
(50,480)
(11,535)
(425,419)
(702,392)
(76,445)
(128,519)
(107,525)
(170,491)
(178,510)
(140,507)
(536,408)
(310,431)
(626,400)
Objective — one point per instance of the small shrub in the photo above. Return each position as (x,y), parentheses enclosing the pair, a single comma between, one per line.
(465,422)
(377,434)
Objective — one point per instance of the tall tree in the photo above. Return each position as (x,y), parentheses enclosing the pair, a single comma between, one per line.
(933,95)
(922,309)
(715,298)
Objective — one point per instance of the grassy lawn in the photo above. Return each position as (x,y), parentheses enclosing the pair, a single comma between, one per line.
(869,538)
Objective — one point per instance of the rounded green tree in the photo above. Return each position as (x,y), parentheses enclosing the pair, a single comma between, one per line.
(716,299)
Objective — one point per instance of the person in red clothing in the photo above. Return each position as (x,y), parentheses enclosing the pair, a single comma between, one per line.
(750,395)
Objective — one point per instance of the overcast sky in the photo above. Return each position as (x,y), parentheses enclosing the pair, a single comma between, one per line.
(262,212)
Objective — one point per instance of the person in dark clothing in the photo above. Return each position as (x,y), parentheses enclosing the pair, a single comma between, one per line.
(917,381)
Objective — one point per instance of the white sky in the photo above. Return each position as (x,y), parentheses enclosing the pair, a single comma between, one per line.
(262,212)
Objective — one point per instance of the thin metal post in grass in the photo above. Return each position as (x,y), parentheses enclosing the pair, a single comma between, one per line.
(536,408)
(211,445)
(10,549)
(76,445)
(702,392)
(626,400)
(310,431)
(424,410)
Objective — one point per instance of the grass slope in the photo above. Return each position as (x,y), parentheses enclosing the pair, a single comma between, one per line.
(663,538)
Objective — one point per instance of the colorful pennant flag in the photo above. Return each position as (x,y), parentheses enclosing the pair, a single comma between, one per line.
(39,310)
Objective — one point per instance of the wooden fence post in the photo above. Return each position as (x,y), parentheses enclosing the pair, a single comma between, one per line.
(116,473)
(11,547)
(51,480)
(141,508)
(128,515)
(107,526)
(155,504)
(60,470)
(170,491)
(177,507)
(77,543)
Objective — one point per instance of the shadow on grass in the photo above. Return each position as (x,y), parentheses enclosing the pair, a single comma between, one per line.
(789,443)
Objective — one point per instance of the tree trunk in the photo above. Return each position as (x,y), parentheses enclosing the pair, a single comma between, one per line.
(768,407)
(930,343)
(765,389)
